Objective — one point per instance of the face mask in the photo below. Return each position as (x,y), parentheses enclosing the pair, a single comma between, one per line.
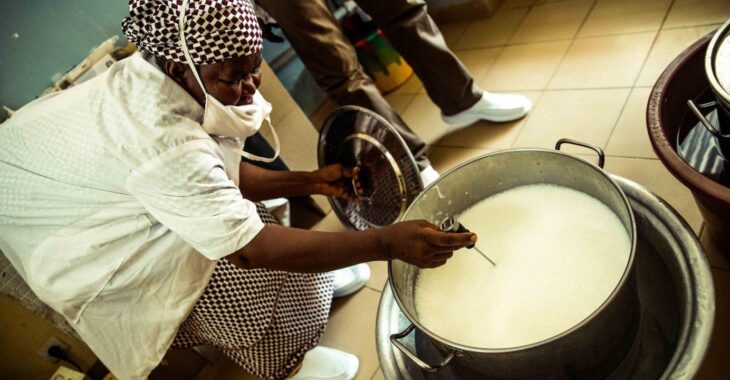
(231,121)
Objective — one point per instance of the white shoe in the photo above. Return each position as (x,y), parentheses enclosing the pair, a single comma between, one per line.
(429,175)
(351,279)
(322,363)
(496,108)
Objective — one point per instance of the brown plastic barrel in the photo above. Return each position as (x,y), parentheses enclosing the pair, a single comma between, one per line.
(685,79)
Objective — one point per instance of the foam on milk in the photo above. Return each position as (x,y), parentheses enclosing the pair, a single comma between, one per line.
(559,253)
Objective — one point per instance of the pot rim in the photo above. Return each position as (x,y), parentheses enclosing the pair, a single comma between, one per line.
(625,277)
(721,35)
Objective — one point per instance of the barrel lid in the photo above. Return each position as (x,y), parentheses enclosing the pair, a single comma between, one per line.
(355,136)
(722,64)
(717,62)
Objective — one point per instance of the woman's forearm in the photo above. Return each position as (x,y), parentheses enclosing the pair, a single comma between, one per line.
(290,249)
(260,184)
(297,250)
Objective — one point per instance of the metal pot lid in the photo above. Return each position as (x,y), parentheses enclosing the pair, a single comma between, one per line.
(717,62)
(355,136)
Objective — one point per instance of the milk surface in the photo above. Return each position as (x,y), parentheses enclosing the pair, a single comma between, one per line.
(559,253)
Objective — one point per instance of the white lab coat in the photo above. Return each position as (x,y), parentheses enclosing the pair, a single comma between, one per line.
(114,207)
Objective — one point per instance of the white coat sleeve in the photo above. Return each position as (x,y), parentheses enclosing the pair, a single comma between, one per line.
(187,190)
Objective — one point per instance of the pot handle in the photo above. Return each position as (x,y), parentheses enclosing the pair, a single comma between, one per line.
(424,366)
(599,151)
(710,128)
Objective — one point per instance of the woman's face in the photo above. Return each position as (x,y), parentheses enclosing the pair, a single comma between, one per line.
(232,82)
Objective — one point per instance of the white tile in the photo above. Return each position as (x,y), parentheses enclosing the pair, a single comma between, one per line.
(630,137)
(552,21)
(585,115)
(668,45)
(493,31)
(624,16)
(697,12)
(602,62)
(525,67)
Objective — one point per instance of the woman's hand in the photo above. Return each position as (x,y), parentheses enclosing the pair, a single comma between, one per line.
(422,244)
(335,180)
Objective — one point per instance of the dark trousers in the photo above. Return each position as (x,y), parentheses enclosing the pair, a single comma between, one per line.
(315,35)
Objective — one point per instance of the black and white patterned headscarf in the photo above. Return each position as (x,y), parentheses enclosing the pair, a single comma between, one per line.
(215,30)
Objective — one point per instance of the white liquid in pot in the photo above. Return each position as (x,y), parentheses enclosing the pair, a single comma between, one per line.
(559,253)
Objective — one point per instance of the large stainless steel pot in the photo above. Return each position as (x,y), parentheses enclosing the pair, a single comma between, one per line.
(591,349)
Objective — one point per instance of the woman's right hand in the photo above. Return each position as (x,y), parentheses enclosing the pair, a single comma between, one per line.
(422,244)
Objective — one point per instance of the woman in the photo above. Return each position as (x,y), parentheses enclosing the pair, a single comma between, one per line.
(125,206)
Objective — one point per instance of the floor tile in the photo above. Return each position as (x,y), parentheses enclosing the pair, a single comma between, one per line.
(412,86)
(322,114)
(378,275)
(697,12)
(330,223)
(630,137)
(493,31)
(511,4)
(351,328)
(668,45)
(478,61)
(487,135)
(601,62)
(654,176)
(225,369)
(717,259)
(424,118)
(552,21)
(444,159)
(399,102)
(525,67)
(584,115)
(378,375)
(624,16)
(453,31)
(717,365)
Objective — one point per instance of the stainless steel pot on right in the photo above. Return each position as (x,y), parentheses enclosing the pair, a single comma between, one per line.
(591,349)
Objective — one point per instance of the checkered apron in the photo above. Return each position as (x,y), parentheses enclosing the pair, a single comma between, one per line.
(263,320)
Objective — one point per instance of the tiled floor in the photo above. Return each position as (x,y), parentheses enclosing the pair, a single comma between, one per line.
(588,66)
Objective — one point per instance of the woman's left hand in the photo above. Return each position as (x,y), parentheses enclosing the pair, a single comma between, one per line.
(335,180)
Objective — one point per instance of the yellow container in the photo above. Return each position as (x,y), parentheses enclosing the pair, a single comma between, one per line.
(382,63)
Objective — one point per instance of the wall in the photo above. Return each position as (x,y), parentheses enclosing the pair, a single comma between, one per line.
(40,38)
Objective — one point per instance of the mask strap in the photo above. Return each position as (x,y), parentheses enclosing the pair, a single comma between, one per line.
(184,45)
(277,147)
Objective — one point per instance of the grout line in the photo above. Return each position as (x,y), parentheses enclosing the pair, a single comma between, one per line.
(522,21)
(659,30)
(620,114)
(461,34)
(690,26)
(376,372)
(638,74)
(572,42)
(373,289)
(408,103)
(653,43)
(569,89)
(512,44)
(502,46)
